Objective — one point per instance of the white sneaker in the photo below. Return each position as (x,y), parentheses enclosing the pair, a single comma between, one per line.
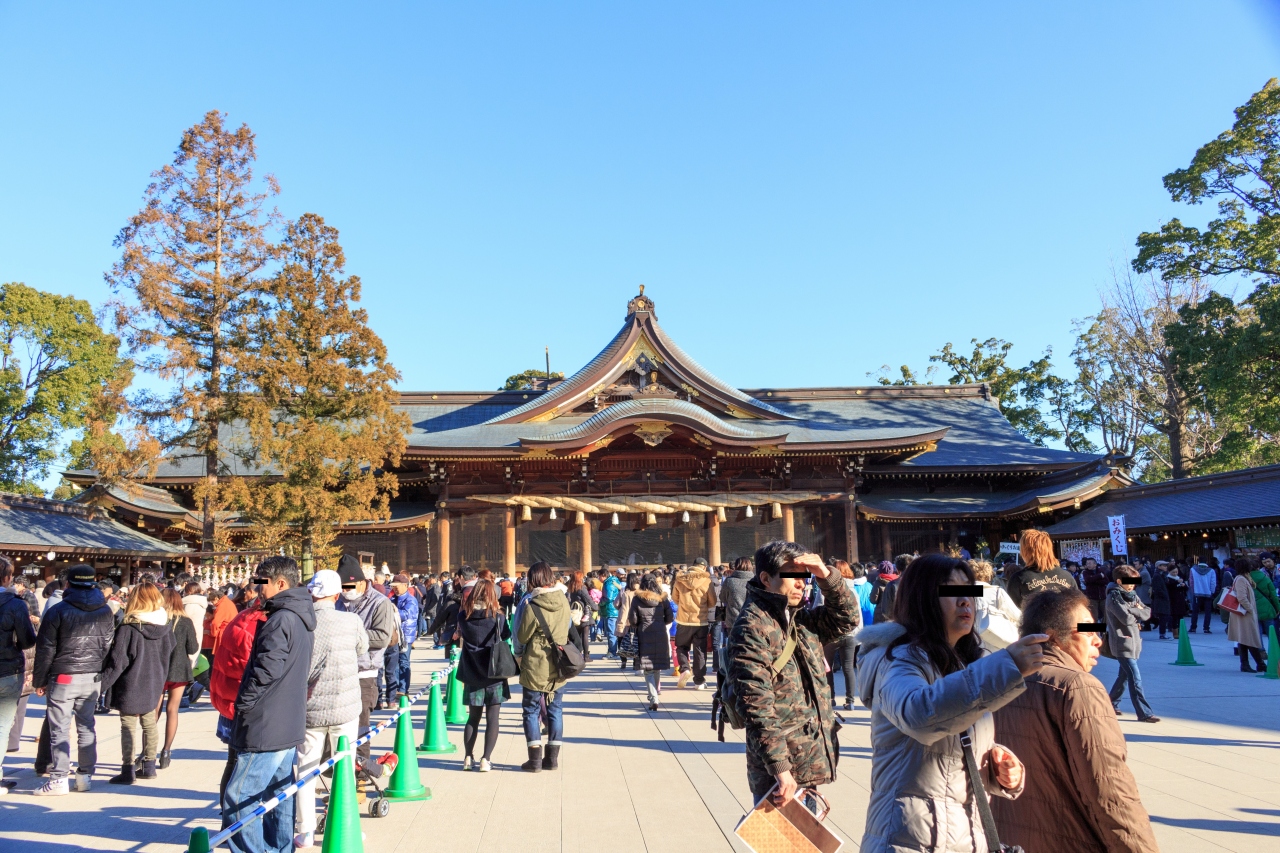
(468,763)
(52,788)
(702,686)
(485,766)
(84,782)
(304,839)
(4,791)
(683,679)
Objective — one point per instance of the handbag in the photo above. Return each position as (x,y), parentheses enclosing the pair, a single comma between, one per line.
(502,663)
(980,798)
(566,660)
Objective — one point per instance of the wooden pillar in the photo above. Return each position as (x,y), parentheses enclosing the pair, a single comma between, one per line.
(404,552)
(442,524)
(509,542)
(713,539)
(126,572)
(584,559)
(886,541)
(789,523)
(851,530)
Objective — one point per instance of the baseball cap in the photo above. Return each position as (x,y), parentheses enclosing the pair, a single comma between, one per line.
(82,575)
(325,583)
(401,578)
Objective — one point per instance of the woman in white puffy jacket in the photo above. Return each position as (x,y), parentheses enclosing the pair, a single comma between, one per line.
(927,682)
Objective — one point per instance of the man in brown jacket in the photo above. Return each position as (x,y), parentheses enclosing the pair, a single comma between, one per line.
(695,602)
(1080,796)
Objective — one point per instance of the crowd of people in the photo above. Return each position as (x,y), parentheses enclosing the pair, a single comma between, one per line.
(985,718)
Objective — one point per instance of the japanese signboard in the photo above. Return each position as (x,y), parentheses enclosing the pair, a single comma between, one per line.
(1119,540)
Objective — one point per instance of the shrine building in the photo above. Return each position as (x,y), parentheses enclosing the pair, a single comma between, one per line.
(643,457)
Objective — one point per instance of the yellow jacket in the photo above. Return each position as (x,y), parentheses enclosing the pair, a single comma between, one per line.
(694,597)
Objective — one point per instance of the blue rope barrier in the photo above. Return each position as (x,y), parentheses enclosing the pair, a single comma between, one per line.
(270,804)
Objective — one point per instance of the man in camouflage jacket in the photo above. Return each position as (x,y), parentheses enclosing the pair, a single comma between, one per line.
(790,727)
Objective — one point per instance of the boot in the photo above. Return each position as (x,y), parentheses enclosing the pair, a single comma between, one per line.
(148,770)
(552,761)
(1244,660)
(163,759)
(126,776)
(534,764)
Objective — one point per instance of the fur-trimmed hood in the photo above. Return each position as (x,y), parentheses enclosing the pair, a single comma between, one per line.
(650,598)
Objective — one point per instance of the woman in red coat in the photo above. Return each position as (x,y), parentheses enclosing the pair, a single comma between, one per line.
(232,656)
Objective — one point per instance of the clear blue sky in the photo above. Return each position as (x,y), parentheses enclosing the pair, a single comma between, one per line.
(809,190)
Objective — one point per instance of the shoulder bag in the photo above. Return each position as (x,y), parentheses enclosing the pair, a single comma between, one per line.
(502,663)
(980,799)
(567,660)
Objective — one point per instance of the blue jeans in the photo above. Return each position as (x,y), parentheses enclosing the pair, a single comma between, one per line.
(404,670)
(10,693)
(610,626)
(259,775)
(531,708)
(1263,625)
(1129,672)
(1202,604)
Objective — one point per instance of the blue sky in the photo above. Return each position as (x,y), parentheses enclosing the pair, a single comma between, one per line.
(808,190)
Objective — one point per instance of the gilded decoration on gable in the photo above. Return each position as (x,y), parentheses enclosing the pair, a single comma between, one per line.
(653,433)
(739,413)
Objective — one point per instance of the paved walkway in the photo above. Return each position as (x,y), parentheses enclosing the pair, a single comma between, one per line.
(633,781)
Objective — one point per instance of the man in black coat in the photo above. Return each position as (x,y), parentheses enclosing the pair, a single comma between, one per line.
(271,709)
(16,636)
(71,645)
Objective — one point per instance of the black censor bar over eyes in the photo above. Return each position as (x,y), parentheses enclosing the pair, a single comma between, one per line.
(804,575)
(960,591)
(1091,628)
(1129,581)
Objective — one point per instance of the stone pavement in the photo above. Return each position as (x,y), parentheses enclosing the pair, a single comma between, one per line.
(630,781)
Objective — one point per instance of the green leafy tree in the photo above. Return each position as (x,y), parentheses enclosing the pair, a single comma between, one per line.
(54,358)
(189,284)
(526,379)
(1226,353)
(322,417)
(1023,392)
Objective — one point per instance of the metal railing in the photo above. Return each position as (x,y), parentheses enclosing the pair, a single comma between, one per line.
(437,676)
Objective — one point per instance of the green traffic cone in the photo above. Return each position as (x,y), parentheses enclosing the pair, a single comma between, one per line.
(456,712)
(1273,656)
(435,737)
(406,784)
(199,842)
(1185,656)
(342,823)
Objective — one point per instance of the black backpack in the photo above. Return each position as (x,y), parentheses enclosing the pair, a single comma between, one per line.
(724,705)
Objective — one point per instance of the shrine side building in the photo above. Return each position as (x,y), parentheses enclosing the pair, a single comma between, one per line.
(643,457)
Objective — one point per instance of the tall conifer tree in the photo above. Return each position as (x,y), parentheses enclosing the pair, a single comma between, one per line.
(323,413)
(188,284)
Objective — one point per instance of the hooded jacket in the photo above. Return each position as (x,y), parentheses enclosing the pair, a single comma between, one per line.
(75,635)
(16,633)
(789,722)
(381,623)
(1080,796)
(1268,605)
(1204,580)
(695,599)
(733,594)
(650,614)
(1125,615)
(1029,581)
(271,707)
(196,607)
(333,681)
(921,799)
(536,670)
(136,669)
